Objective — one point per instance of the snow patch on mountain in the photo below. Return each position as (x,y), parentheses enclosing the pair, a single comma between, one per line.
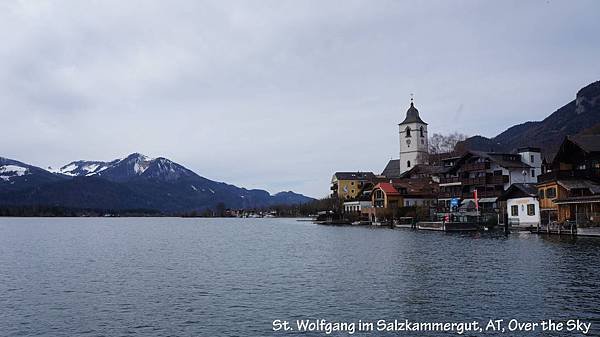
(81,168)
(10,171)
(140,162)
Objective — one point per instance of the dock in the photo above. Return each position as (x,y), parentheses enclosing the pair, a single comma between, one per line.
(448,226)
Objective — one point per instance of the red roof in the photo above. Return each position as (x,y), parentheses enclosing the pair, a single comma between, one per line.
(387,188)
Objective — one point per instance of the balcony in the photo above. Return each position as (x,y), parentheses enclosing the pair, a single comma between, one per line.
(473,181)
(469,195)
(449,180)
(476,167)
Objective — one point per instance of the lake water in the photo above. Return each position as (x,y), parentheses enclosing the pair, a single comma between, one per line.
(233,277)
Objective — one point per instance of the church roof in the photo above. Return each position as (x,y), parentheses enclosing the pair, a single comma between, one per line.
(412,115)
(392,169)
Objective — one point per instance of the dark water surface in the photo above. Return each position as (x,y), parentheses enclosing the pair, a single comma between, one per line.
(233,277)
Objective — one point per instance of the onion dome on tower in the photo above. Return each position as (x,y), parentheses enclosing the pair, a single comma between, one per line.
(412,115)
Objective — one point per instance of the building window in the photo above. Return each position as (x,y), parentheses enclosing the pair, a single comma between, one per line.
(422,132)
(407,131)
(533,173)
(551,193)
(514,210)
(408,163)
(541,194)
(530,209)
(531,158)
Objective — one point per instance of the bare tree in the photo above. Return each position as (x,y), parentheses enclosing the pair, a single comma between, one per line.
(439,143)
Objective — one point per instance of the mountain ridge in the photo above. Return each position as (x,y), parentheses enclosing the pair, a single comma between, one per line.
(572,118)
(134,182)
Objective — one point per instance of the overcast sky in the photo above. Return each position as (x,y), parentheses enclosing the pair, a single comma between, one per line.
(279,94)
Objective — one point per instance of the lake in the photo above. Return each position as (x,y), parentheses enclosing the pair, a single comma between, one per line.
(234,277)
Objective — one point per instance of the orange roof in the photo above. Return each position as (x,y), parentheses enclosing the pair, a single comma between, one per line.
(387,188)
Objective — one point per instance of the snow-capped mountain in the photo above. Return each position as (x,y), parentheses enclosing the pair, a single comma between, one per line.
(136,165)
(16,175)
(134,182)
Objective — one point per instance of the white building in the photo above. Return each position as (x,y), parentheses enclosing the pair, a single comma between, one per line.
(413,140)
(533,157)
(522,205)
(356,206)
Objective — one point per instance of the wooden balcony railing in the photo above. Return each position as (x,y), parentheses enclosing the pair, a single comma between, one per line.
(476,167)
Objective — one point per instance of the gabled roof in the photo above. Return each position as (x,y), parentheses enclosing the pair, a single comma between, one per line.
(588,143)
(423,169)
(387,188)
(580,184)
(519,190)
(500,159)
(496,157)
(416,187)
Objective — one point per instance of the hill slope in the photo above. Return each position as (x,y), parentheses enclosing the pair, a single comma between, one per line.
(574,117)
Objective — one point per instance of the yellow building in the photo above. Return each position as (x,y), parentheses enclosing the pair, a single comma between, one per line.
(548,192)
(348,185)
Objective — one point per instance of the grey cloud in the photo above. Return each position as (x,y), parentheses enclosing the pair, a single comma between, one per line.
(278,94)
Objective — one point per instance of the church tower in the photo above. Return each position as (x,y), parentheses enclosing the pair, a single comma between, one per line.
(413,140)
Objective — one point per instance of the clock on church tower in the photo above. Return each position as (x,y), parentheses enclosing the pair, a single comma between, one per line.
(413,140)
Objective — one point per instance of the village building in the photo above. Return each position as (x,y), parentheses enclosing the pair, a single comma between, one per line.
(569,191)
(348,185)
(357,207)
(488,173)
(522,205)
(389,198)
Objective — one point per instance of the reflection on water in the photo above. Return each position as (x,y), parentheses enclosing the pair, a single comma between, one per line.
(200,277)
